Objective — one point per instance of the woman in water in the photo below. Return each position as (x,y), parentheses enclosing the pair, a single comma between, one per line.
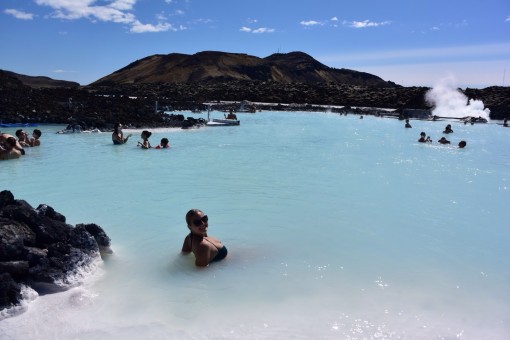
(144,144)
(207,249)
(118,135)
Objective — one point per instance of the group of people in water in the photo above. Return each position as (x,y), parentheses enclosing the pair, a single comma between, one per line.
(13,147)
(118,138)
(206,249)
(426,139)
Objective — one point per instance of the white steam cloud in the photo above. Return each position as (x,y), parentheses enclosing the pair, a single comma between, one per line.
(448,101)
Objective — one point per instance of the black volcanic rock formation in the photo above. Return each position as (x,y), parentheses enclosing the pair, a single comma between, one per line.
(39,249)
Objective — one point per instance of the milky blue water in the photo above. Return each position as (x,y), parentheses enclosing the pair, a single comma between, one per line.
(337,228)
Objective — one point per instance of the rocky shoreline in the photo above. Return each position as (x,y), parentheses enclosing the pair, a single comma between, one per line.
(141,105)
(40,250)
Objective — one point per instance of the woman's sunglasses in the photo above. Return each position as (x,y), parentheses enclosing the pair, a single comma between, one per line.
(198,222)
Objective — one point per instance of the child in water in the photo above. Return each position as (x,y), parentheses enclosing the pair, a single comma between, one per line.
(163,144)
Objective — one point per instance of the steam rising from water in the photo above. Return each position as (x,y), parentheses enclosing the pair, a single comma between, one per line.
(448,101)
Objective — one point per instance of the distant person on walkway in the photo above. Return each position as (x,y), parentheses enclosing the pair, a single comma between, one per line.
(163,144)
(505,122)
(407,124)
(231,115)
(118,135)
(144,144)
(8,149)
(423,139)
(462,144)
(448,129)
(34,141)
(444,141)
(206,249)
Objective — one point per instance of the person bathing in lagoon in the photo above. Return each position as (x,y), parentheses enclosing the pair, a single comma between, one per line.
(462,144)
(448,129)
(206,249)
(8,149)
(163,144)
(3,140)
(408,125)
(505,122)
(444,141)
(118,135)
(144,144)
(423,139)
(34,141)
(23,138)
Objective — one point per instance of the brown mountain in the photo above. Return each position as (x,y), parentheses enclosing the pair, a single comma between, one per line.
(40,82)
(216,67)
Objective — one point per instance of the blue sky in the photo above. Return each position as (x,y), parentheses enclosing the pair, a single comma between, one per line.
(410,42)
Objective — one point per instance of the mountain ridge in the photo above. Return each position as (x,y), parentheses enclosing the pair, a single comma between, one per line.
(217,66)
(39,81)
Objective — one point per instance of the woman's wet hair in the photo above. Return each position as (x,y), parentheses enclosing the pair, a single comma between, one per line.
(146,133)
(190,214)
(11,141)
(164,141)
(116,127)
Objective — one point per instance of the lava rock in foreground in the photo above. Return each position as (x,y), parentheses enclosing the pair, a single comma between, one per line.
(40,250)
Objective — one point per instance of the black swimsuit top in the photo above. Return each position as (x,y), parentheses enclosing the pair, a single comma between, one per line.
(222,252)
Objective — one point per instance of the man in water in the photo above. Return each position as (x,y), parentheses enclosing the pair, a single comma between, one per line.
(8,149)
(443,141)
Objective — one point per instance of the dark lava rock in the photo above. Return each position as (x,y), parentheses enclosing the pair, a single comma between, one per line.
(38,249)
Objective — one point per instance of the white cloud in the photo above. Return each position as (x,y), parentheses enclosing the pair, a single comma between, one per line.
(256,30)
(202,21)
(365,23)
(251,21)
(117,11)
(19,14)
(63,71)
(123,5)
(334,19)
(508,18)
(138,27)
(161,16)
(435,28)
(263,30)
(310,23)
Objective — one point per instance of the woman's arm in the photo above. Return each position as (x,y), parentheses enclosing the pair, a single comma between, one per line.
(186,247)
